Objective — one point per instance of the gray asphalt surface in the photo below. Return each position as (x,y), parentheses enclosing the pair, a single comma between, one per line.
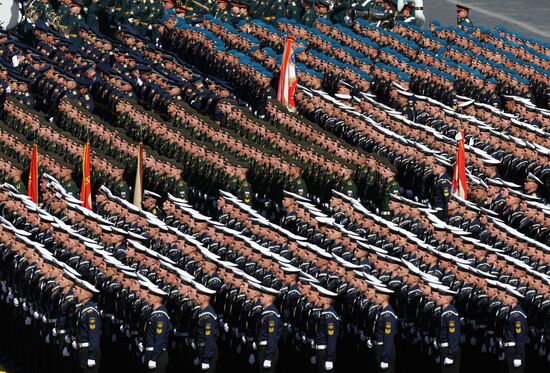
(529,17)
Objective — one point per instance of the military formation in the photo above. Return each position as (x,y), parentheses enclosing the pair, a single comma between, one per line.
(267,240)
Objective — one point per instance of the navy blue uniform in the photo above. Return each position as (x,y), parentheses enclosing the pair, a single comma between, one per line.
(325,337)
(515,335)
(206,336)
(88,337)
(449,339)
(268,337)
(157,331)
(384,335)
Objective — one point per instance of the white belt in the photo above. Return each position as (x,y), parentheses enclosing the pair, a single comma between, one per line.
(445,344)
(509,344)
(379,343)
(149,348)
(320,347)
(85,344)
(262,343)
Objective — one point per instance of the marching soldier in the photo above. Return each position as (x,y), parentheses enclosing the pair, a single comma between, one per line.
(385,331)
(157,332)
(515,334)
(327,331)
(448,335)
(269,332)
(89,329)
(206,331)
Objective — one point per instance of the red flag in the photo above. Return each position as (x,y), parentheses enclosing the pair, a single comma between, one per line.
(287,78)
(138,186)
(86,186)
(32,187)
(459,174)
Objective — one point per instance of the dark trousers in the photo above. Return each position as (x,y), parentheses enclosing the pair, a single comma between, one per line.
(391,363)
(261,358)
(83,354)
(321,357)
(162,363)
(510,353)
(454,367)
(212,363)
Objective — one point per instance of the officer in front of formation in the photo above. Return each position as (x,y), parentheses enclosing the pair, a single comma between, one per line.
(207,331)
(89,329)
(462,19)
(269,332)
(157,332)
(328,328)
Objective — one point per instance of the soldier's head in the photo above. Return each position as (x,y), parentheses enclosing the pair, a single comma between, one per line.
(268,296)
(84,292)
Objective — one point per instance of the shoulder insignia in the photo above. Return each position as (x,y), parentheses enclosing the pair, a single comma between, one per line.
(330,329)
(452,326)
(159,327)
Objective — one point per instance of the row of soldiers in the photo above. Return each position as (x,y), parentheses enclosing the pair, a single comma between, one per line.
(324,345)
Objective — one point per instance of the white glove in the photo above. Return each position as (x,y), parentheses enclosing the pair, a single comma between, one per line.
(15,302)
(140,347)
(254,347)
(149,27)
(66,352)
(243,339)
(329,365)
(313,360)
(205,366)
(193,345)
(369,343)
(448,361)
(517,363)
(267,364)
(251,359)
(25,307)
(74,345)
(47,339)
(91,363)
(67,339)
(130,20)
(384,365)
(500,344)
(152,364)
(226,327)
